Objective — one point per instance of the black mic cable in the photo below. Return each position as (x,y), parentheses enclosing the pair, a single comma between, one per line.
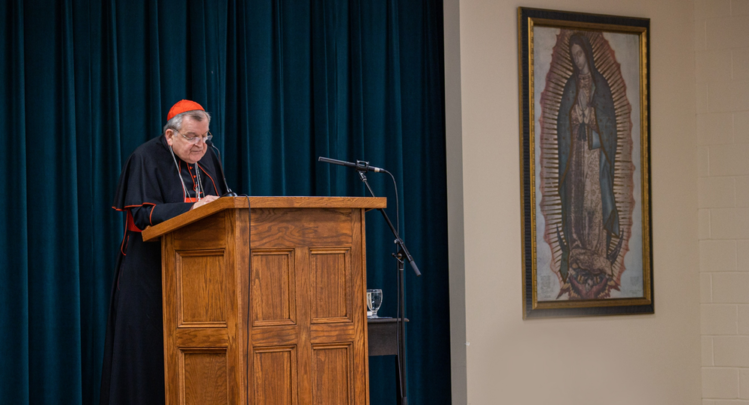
(229,192)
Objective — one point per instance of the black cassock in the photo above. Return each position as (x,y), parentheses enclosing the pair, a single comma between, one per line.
(150,192)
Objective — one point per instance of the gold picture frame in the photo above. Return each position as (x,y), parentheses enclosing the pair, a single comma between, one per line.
(585,164)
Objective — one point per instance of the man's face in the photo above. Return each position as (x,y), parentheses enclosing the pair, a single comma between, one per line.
(189,152)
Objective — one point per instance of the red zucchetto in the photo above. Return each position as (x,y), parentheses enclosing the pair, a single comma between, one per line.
(183,106)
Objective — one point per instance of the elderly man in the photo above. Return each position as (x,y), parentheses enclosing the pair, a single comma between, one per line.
(163,178)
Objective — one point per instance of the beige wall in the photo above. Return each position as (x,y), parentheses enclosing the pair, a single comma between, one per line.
(722,83)
(497,357)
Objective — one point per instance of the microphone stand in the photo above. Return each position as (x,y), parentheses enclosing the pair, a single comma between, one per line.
(229,192)
(400,257)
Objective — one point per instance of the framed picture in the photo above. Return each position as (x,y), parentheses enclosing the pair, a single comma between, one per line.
(585,145)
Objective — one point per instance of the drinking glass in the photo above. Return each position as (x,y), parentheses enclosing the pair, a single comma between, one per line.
(374,300)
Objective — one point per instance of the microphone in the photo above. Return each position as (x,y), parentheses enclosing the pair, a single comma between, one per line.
(360,165)
(228,193)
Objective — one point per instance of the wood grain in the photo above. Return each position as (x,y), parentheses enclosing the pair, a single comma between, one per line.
(330,275)
(239,296)
(359,290)
(272,290)
(208,233)
(197,337)
(170,301)
(275,336)
(284,325)
(227,203)
(201,288)
(332,375)
(304,347)
(326,333)
(204,378)
(296,227)
(200,311)
(275,376)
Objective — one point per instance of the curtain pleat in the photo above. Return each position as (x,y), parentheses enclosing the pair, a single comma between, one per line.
(14,280)
(83,83)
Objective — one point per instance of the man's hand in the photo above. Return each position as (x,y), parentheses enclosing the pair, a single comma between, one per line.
(204,201)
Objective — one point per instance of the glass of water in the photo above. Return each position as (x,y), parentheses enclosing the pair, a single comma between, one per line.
(374,300)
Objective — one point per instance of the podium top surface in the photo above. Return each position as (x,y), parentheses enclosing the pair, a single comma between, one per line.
(227,203)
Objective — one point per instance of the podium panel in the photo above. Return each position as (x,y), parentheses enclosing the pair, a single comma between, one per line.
(200,288)
(273,292)
(281,323)
(205,381)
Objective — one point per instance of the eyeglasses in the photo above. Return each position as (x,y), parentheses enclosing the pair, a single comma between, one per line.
(195,139)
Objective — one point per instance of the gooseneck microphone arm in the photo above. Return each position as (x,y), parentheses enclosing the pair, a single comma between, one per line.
(360,165)
(229,192)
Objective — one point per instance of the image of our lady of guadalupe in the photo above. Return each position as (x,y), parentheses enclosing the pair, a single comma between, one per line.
(586,232)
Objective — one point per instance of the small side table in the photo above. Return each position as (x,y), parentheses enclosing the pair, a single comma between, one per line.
(383,341)
(382,333)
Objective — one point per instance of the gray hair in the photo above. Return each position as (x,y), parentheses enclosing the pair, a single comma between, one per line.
(176,122)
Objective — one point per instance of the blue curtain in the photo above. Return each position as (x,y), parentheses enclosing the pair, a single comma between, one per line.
(83,83)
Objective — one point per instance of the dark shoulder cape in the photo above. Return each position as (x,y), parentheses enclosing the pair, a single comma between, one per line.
(150,192)
(150,178)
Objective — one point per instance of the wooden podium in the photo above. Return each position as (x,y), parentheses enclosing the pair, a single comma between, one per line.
(285,326)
